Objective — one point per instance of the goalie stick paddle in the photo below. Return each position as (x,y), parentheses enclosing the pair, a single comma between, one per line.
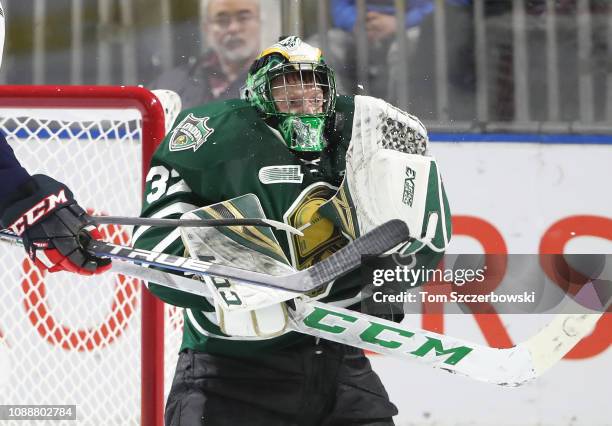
(504,367)
(146,221)
(378,241)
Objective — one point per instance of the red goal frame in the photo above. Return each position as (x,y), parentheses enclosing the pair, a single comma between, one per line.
(152,133)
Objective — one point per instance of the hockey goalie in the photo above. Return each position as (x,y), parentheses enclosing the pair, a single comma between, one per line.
(332,166)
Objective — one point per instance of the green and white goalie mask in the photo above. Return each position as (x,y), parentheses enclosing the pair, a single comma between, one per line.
(295,90)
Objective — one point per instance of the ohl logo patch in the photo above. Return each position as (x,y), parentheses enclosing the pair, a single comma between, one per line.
(191,133)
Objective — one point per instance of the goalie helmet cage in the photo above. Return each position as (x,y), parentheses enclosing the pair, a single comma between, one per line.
(67,339)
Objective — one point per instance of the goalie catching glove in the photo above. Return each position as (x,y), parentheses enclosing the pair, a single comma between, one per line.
(55,229)
(390,176)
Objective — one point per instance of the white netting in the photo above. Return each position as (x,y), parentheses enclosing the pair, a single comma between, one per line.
(66,339)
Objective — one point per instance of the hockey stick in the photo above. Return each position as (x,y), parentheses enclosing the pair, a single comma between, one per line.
(379,240)
(514,366)
(145,221)
(166,279)
(505,367)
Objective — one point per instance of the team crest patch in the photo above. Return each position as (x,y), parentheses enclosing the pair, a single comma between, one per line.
(191,133)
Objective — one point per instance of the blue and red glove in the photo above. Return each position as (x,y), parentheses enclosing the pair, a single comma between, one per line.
(54,228)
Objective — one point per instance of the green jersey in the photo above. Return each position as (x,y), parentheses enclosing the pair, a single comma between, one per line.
(224,150)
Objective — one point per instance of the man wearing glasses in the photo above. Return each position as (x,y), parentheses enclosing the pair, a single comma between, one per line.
(232,29)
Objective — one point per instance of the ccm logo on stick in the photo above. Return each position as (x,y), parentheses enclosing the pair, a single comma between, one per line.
(39,211)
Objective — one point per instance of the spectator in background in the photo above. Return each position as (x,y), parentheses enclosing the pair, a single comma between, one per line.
(380,18)
(380,26)
(460,70)
(232,29)
(572,65)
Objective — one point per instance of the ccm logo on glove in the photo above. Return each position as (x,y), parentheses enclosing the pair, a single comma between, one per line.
(38,211)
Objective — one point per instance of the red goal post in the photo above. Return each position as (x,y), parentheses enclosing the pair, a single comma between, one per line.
(36,145)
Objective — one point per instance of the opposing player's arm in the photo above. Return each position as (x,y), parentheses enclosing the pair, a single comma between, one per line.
(12,174)
(43,211)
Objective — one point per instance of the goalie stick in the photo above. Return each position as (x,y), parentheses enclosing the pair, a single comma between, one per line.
(505,367)
(509,367)
(379,240)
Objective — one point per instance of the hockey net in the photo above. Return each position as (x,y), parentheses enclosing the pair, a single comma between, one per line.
(72,340)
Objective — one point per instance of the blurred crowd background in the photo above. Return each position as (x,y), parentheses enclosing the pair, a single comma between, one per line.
(460,65)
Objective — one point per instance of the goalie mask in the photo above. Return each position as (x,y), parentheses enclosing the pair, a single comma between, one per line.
(292,86)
